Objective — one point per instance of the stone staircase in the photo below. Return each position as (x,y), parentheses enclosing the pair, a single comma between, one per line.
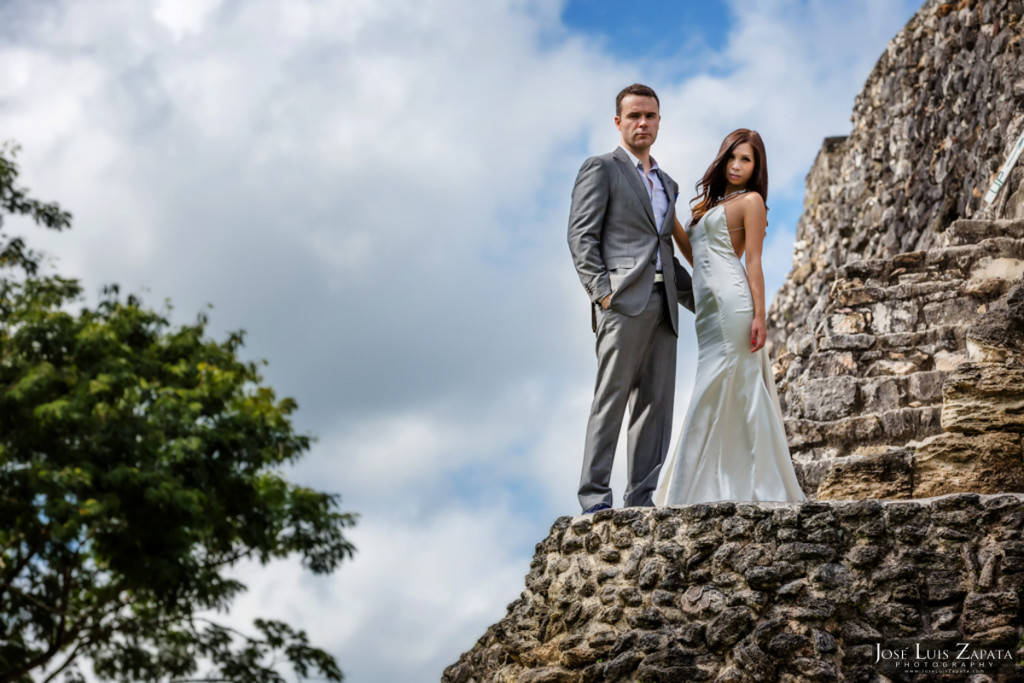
(876,383)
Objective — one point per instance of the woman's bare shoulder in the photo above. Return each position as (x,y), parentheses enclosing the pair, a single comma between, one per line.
(752,200)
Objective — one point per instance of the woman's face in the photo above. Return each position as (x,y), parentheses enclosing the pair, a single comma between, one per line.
(739,167)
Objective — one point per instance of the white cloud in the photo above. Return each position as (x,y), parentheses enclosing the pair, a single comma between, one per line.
(183,17)
(419,592)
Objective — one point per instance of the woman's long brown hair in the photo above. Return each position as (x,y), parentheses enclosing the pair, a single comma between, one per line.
(711,187)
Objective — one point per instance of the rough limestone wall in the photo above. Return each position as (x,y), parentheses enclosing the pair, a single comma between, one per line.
(764,592)
(936,118)
(899,267)
(911,381)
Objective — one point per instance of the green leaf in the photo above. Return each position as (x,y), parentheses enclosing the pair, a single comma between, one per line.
(139,462)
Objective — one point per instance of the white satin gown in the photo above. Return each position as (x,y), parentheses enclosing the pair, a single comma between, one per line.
(733,445)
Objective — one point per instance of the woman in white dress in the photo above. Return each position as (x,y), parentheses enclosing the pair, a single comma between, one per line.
(733,445)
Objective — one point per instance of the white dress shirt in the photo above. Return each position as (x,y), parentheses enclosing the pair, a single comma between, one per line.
(655,192)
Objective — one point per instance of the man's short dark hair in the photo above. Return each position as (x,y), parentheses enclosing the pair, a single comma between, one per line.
(635,89)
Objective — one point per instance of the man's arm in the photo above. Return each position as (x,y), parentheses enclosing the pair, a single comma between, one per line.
(683,241)
(586,225)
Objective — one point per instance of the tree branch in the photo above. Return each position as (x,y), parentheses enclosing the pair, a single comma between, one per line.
(60,639)
(229,560)
(36,601)
(21,564)
(43,658)
(71,658)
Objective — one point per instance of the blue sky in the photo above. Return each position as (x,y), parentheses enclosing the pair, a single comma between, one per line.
(694,28)
(377,191)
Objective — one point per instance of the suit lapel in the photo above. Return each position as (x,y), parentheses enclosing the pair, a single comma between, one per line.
(633,178)
(670,191)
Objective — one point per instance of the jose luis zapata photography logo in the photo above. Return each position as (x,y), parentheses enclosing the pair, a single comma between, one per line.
(946,657)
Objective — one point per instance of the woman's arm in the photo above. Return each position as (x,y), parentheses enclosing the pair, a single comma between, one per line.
(755,221)
(683,240)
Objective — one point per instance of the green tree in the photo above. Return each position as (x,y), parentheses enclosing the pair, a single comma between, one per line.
(139,461)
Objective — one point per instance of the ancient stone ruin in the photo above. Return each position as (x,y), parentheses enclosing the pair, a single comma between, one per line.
(899,346)
(898,335)
(744,592)
(908,380)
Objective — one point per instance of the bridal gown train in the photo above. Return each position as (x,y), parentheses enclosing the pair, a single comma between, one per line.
(733,445)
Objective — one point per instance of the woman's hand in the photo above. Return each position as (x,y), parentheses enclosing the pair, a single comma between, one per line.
(758,334)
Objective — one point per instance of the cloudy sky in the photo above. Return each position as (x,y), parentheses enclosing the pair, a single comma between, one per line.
(377,191)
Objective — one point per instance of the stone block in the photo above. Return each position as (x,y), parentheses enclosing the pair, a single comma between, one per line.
(878,395)
(832,576)
(829,399)
(895,619)
(981,397)
(830,364)
(649,618)
(755,664)
(549,675)
(728,627)
(772,576)
(880,477)
(787,644)
(903,425)
(866,556)
(962,310)
(844,342)
(815,670)
(991,277)
(955,463)
(672,664)
(801,345)
(810,474)
(946,361)
(893,366)
(987,611)
(858,296)
(847,323)
(572,544)
(622,666)
(796,551)
(925,387)
(893,317)
(701,602)
(973,231)
(856,632)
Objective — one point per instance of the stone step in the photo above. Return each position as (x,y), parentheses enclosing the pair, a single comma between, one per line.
(941,347)
(944,346)
(879,472)
(979,258)
(854,313)
(985,397)
(827,399)
(878,365)
(921,273)
(825,439)
(933,466)
(932,338)
(858,328)
(972,231)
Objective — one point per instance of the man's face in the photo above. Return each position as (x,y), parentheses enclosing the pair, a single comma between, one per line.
(638,122)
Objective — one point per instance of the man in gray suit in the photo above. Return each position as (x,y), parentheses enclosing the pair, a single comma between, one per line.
(620,236)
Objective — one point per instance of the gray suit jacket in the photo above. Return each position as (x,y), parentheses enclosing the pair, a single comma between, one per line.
(613,237)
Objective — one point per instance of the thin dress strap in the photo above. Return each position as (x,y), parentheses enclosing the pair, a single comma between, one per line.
(723,204)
